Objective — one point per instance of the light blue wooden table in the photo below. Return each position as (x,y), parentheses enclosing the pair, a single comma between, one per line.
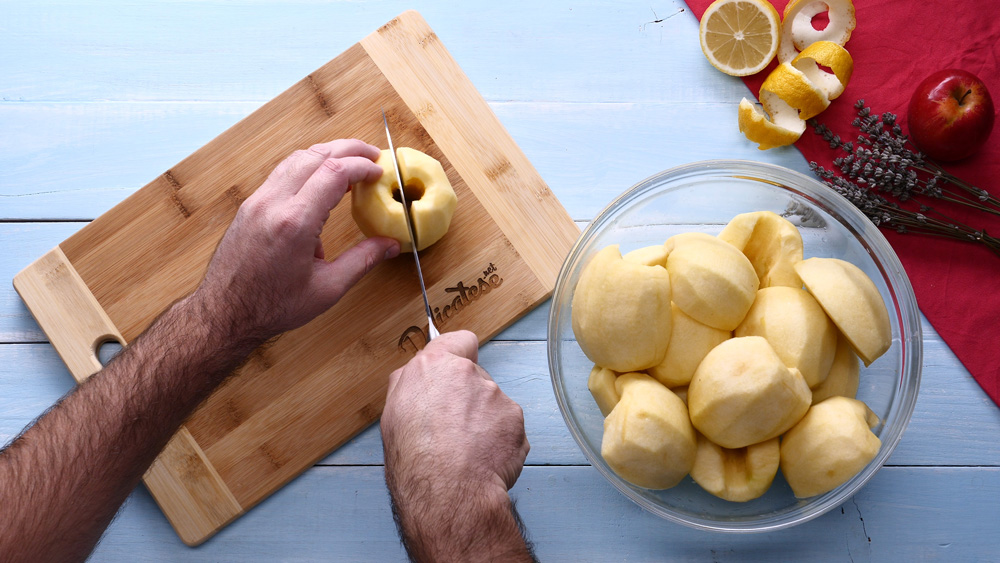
(97,98)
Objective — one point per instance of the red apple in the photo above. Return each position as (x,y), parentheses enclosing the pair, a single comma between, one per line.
(950,115)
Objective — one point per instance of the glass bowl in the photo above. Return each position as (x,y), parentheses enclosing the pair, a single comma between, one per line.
(704,196)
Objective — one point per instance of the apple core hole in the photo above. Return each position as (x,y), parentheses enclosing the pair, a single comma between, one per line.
(413,189)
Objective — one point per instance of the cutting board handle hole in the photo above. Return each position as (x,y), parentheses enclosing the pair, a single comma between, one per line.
(106,348)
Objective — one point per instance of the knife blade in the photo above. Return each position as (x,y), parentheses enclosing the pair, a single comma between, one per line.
(432,331)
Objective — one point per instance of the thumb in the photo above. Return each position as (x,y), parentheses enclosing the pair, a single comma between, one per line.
(460,343)
(333,279)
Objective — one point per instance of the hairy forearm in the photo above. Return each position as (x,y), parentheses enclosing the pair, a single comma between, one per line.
(64,478)
(464,523)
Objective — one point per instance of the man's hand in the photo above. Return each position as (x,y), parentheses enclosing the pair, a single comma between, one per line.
(62,481)
(269,270)
(454,445)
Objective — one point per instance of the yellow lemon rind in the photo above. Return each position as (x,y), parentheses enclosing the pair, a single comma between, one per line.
(797,31)
(758,128)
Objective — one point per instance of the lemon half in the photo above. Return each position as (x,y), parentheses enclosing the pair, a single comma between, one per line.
(739,37)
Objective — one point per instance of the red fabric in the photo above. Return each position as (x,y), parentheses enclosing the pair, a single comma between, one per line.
(895,45)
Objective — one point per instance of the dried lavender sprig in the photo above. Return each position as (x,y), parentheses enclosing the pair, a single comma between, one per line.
(889,215)
(983,197)
(883,145)
(882,161)
(886,136)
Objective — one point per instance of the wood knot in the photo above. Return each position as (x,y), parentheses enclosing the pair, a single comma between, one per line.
(370,412)
(169,177)
(428,39)
(189,467)
(175,197)
(235,195)
(272,459)
(56,273)
(424,110)
(498,170)
(260,357)
(234,413)
(389,25)
(323,104)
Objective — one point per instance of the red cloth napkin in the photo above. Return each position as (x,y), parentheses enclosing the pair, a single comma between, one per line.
(895,46)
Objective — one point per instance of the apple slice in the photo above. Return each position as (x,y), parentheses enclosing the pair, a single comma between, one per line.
(621,312)
(844,375)
(831,443)
(601,384)
(648,439)
(771,243)
(655,255)
(712,281)
(742,394)
(796,327)
(690,342)
(853,303)
(736,475)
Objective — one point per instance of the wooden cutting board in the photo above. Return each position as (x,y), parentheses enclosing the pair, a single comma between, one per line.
(312,389)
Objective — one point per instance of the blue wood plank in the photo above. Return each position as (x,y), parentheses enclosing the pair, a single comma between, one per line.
(32,378)
(75,161)
(22,245)
(341,514)
(250,50)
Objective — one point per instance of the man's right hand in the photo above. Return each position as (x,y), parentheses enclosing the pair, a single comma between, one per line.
(454,445)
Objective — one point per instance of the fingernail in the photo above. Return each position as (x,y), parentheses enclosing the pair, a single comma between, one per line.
(392,252)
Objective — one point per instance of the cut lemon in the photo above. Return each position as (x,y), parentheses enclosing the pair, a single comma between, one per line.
(765,132)
(797,30)
(832,56)
(792,86)
(739,37)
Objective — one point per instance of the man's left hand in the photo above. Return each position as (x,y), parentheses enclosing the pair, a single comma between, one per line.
(270,270)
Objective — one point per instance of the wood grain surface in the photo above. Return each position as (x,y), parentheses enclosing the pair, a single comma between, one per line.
(309,390)
(98,96)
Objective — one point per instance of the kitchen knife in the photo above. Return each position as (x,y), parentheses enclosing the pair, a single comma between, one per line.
(432,331)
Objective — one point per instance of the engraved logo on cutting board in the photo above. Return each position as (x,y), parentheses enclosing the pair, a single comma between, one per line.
(414,338)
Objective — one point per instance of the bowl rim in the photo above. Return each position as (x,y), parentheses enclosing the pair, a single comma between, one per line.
(882,255)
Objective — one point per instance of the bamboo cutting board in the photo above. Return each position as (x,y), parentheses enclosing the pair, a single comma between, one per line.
(312,389)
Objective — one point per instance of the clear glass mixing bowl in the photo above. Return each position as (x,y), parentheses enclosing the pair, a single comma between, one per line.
(704,196)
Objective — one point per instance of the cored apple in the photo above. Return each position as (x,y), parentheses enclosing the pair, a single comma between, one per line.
(378,212)
(648,439)
(621,312)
